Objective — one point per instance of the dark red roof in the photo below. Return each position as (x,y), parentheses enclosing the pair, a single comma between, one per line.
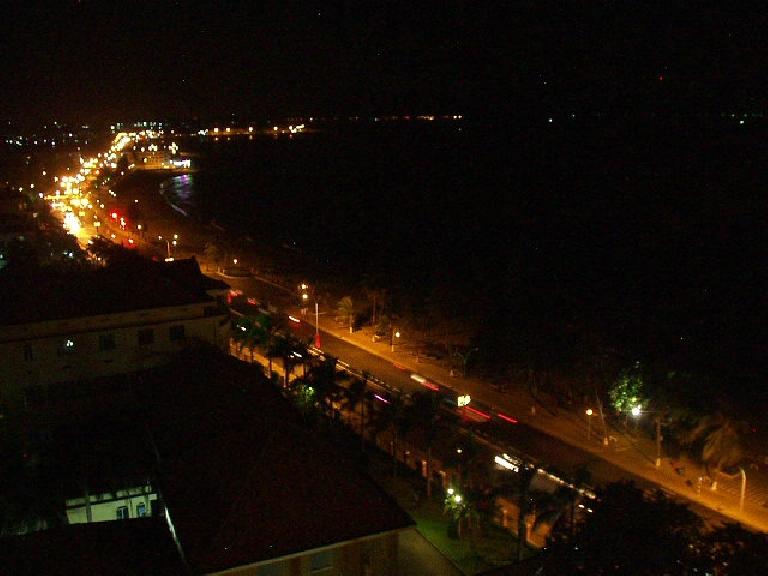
(244,480)
(51,293)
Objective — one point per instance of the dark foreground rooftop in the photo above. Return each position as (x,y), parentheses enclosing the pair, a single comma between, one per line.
(241,477)
(127,548)
(54,293)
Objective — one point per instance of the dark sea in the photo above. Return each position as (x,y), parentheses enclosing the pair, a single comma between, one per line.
(401,199)
(653,226)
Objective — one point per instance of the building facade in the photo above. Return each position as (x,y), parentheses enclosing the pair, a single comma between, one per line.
(44,362)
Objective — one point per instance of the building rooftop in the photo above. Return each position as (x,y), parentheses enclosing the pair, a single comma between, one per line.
(243,479)
(56,293)
(241,476)
(127,548)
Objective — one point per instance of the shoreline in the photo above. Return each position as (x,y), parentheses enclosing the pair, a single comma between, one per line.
(163,218)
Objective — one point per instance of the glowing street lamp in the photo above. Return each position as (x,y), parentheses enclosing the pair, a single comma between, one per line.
(636,411)
(168,245)
(393,334)
(588,412)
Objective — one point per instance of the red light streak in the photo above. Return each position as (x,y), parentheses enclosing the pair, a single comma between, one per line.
(431,386)
(507,418)
(478,412)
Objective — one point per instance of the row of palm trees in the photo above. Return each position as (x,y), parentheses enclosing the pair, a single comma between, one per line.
(321,387)
(409,423)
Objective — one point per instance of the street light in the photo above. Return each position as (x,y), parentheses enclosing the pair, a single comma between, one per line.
(392,335)
(636,411)
(588,412)
(168,245)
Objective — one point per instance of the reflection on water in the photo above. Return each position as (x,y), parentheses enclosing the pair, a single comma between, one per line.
(178,191)
(182,187)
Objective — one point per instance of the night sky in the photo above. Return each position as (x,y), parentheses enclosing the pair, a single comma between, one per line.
(101,61)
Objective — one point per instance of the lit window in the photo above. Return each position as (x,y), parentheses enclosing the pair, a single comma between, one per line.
(66,347)
(141,510)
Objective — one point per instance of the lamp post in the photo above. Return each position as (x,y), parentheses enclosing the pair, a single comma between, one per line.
(303,290)
(317,325)
(636,411)
(392,335)
(168,245)
(588,412)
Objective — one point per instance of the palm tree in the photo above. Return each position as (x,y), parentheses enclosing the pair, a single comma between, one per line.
(356,394)
(323,378)
(372,286)
(462,355)
(214,252)
(293,352)
(468,458)
(346,308)
(270,330)
(721,438)
(425,408)
(391,416)
(247,333)
(550,506)
(525,475)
